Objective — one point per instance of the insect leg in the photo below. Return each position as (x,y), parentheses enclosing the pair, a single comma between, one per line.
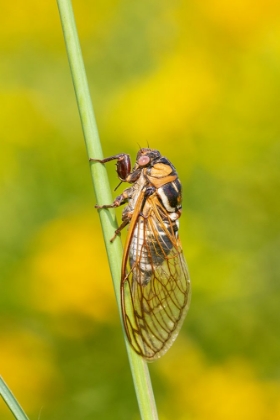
(120,228)
(108,159)
(123,164)
(119,200)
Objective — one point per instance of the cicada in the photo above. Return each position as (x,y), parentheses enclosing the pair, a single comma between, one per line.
(155,283)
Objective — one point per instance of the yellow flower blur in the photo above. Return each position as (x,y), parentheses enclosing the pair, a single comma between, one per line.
(69,270)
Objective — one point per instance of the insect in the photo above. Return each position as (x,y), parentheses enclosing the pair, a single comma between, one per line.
(155,283)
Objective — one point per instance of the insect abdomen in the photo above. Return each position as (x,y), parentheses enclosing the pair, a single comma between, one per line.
(171,195)
(148,249)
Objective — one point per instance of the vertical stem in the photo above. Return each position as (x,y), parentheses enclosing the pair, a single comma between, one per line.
(138,365)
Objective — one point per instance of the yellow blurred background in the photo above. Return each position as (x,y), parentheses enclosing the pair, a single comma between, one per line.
(198,80)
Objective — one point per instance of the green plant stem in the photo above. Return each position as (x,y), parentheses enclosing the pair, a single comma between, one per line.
(11,402)
(138,365)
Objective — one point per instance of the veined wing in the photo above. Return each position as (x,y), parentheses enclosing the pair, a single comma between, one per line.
(155,286)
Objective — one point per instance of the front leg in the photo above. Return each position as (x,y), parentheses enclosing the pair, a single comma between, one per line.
(123,164)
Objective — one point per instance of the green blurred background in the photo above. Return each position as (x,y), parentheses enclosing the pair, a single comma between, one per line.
(200,81)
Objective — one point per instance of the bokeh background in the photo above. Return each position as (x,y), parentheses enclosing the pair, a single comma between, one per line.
(200,81)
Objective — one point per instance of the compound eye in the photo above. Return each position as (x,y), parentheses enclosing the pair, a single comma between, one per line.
(143,160)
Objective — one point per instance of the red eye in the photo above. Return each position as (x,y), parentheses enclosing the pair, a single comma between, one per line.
(143,160)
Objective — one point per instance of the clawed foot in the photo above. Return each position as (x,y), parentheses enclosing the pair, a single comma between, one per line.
(114,237)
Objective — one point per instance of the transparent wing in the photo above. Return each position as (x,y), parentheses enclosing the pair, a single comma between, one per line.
(155,287)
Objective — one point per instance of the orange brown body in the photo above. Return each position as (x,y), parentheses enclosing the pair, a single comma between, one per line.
(155,284)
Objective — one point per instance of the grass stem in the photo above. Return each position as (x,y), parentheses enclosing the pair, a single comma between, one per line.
(139,369)
(11,402)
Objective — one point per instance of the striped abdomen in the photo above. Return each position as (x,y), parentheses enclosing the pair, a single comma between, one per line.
(150,245)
